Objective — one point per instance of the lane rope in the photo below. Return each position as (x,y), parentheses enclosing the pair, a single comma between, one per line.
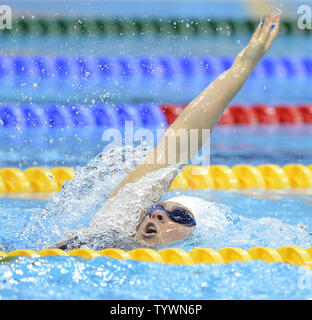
(143,115)
(140,27)
(266,176)
(96,70)
(287,254)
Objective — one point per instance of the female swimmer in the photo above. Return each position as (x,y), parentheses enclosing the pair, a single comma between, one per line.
(165,222)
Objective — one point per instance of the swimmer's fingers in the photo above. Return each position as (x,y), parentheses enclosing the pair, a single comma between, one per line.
(260,42)
(255,35)
(269,28)
(273,35)
(265,30)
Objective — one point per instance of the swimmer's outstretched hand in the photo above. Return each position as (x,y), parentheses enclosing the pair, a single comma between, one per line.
(206,109)
(260,42)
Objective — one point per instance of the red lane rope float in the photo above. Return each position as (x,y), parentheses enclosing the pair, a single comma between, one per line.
(243,115)
(288,114)
(306,112)
(227,118)
(266,114)
(254,114)
(171,111)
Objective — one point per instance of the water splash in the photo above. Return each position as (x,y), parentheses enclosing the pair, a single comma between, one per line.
(114,225)
(82,199)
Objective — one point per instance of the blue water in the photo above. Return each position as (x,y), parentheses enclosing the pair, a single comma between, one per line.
(72,80)
(264,220)
(236,9)
(267,90)
(175,45)
(258,218)
(282,211)
(229,145)
(269,219)
(105,278)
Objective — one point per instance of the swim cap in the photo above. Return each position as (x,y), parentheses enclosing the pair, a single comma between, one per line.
(191,203)
(207,214)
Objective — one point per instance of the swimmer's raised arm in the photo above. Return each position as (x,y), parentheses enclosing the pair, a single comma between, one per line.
(206,109)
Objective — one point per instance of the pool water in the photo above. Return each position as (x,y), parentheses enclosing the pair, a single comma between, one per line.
(165,79)
(253,217)
(272,219)
(105,278)
(257,218)
(229,145)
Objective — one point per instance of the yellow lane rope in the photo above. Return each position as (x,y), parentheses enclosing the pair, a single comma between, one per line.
(288,254)
(243,176)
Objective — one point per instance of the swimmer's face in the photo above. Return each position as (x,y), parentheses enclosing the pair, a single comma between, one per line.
(160,229)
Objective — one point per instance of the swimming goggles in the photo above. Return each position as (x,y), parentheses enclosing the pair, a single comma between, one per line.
(180,215)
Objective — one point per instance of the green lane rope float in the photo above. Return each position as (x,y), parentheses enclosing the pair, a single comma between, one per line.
(140,27)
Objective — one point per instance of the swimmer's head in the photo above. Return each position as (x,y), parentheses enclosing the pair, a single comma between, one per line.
(168,221)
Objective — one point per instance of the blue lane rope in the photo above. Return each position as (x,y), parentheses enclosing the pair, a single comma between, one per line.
(86,69)
(64,116)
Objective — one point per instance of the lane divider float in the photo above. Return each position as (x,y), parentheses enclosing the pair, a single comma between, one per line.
(255,114)
(266,176)
(287,254)
(140,27)
(84,71)
(71,116)
(143,115)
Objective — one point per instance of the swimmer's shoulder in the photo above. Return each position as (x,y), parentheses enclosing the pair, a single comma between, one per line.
(96,241)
